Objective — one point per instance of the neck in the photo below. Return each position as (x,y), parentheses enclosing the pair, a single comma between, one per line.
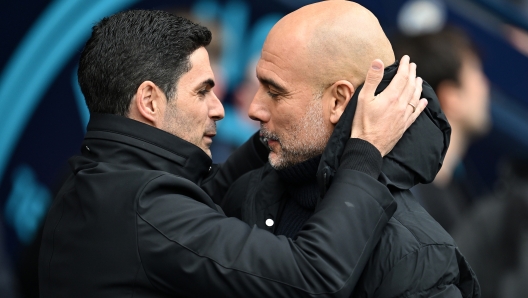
(457,149)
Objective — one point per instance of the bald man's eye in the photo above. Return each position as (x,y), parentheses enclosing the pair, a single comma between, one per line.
(272,95)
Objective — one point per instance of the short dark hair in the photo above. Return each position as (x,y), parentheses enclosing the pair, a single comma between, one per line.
(134,46)
(438,55)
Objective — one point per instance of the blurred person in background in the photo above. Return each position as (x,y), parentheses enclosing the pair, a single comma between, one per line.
(451,65)
(494,235)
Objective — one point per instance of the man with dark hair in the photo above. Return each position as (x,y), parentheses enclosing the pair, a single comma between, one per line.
(113,71)
(451,64)
(137,215)
(311,69)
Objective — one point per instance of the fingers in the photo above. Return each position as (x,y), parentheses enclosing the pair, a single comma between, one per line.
(414,99)
(400,80)
(422,104)
(374,77)
(410,89)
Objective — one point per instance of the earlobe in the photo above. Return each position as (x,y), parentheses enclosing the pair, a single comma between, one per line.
(341,92)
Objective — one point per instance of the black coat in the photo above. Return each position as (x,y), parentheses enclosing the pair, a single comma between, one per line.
(133,220)
(415,257)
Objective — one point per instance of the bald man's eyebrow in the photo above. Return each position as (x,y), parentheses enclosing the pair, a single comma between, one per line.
(276,86)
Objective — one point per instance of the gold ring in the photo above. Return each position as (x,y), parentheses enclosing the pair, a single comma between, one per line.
(414,108)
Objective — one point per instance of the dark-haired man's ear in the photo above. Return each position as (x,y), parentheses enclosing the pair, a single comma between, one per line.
(148,105)
(341,93)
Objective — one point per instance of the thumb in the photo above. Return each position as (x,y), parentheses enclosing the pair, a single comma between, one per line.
(373,79)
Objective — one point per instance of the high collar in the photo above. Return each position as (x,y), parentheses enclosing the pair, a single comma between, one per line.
(120,140)
(416,158)
(301,173)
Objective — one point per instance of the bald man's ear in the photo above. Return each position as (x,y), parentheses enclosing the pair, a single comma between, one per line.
(341,93)
(148,105)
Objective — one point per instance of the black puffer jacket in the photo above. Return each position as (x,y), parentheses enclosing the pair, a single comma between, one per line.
(415,257)
(133,220)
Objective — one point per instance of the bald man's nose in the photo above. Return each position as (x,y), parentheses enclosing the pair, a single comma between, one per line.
(258,111)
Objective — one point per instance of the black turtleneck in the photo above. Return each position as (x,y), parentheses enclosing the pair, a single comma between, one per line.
(302,191)
(300,196)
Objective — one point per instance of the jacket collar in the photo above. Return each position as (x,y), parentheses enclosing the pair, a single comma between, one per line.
(121,140)
(416,158)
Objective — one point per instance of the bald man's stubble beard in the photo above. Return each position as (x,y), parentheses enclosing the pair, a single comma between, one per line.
(303,140)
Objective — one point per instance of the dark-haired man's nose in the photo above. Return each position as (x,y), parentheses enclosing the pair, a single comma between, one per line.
(216,109)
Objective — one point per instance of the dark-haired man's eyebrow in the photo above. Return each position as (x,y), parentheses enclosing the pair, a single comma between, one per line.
(269,82)
(209,83)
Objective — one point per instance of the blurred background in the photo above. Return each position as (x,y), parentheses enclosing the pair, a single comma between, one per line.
(474,53)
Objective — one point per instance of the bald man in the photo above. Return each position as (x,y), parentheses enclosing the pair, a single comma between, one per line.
(311,70)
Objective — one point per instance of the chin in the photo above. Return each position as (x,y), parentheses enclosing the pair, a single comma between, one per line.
(276,161)
(206,149)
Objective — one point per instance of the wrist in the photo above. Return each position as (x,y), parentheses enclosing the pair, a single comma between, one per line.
(360,155)
(378,143)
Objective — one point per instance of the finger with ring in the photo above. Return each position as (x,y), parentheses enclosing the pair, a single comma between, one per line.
(413,106)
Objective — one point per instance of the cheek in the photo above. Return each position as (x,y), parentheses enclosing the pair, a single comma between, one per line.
(478,98)
(477,89)
(198,113)
(286,115)
(285,125)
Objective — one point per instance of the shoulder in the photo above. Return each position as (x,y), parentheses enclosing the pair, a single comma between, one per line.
(158,184)
(412,228)
(409,235)
(415,254)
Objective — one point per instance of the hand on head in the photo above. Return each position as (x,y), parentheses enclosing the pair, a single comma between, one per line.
(382,119)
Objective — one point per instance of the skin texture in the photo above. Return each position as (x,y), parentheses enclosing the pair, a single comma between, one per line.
(302,138)
(310,66)
(192,115)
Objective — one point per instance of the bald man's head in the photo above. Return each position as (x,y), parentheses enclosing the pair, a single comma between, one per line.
(311,64)
(330,41)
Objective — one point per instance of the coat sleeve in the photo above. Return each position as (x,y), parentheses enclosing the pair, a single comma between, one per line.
(251,155)
(190,249)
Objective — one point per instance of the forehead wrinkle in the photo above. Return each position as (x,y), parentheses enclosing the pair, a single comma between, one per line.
(276,78)
(293,70)
(266,52)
